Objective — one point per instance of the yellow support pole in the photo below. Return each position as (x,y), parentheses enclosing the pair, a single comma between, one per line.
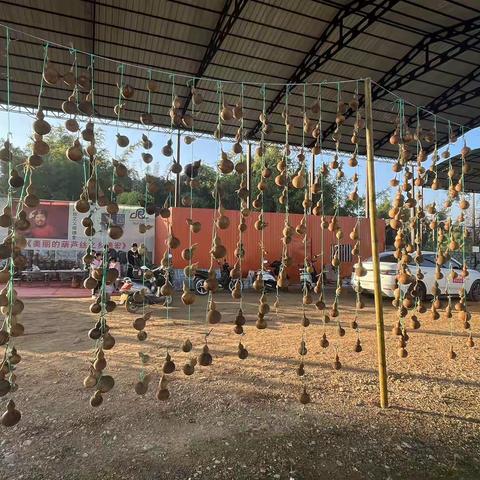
(372,212)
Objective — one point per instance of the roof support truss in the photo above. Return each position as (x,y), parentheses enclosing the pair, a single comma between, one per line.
(395,79)
(315,58)
(222,29)
(449,98)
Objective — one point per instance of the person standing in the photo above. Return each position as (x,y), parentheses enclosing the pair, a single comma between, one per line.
(113,263)
(133,260)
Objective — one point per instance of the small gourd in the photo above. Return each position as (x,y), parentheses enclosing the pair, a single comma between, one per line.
(105,383)
(337,364)
(225,165)
(187,346)
(163,393)
(188,297)
(168,364)
(242,351)
(40,126)
(75,152)
(167,150)
(122,140)
(305,397)
(12,416)
(115,231)
(213,315)
(205,358)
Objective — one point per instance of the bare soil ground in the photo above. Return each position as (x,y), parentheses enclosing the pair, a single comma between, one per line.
(241,419)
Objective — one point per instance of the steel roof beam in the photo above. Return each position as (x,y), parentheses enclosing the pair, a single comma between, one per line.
(473,123)
(448,99)
(222,29)
(394,79)
(243,54)
(314,59)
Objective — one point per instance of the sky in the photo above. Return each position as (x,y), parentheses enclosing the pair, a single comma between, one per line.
(207,149)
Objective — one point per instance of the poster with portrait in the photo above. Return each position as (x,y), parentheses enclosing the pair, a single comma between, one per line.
(48,220)
(56,237)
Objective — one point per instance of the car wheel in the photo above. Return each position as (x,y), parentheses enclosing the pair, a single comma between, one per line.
(199,288)
(474,293)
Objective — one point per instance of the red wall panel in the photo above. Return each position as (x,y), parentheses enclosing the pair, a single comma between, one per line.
(252,238)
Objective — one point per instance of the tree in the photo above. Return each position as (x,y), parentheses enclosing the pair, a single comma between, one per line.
(58,178)
(61,179)
(271,157)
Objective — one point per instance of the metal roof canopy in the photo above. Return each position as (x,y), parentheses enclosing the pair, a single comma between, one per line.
(426,55)
(471,180)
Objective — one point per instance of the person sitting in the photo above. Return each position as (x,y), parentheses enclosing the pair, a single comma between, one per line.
(113,263)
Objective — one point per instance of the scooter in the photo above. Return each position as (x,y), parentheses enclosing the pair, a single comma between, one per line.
(269,279)
(135,291)
(224,281)
(306,278)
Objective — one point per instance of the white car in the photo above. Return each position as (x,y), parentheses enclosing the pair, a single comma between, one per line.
(388,272)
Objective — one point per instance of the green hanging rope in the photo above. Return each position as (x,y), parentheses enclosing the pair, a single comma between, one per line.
(449,238)
(286,198)
(8,318)
(305,260)
(322,207)
(358,222)
(242,176)
(435,150)
(169,203)
(337,201)
(121,70)
(149,98)
(7,54)
(191,211)
(73,52)
(215,189)
(262,198)
(45,60)
(305,211)
(92,91)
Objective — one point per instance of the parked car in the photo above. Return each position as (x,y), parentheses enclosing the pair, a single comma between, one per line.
(388,272)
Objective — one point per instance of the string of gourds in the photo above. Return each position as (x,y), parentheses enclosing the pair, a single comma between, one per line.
(450,237)
(15,219)
(92,199)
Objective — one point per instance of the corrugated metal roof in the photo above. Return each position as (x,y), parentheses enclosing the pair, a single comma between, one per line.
(266,42)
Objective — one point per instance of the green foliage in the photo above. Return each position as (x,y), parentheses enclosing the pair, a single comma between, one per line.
(272,156)
(18,157)
(133,198)
(384,203)
(61,179)
(58,178)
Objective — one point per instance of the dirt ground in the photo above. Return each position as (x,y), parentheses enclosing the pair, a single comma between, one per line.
(241,419)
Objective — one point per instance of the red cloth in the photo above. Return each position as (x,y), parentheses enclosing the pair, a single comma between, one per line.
(48,231)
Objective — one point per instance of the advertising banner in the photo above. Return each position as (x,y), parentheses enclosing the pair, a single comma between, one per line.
(56,238)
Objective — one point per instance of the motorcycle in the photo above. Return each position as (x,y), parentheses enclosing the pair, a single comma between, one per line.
(144,288)
(309,279)
(268,275)
(224,281)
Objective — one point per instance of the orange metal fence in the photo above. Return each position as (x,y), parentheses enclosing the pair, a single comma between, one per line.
(252,239)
